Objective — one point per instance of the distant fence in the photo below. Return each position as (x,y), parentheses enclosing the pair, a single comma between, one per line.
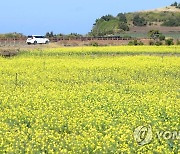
(12,42)
(22,41)
(90,38)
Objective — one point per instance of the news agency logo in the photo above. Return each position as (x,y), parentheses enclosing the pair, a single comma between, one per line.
(143,135)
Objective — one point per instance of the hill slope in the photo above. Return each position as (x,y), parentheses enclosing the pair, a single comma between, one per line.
(168,8)
(158,18)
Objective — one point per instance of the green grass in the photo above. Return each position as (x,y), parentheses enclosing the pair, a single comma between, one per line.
(154,16)
(145,35)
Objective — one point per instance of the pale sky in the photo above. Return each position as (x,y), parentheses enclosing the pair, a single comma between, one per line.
(65,16)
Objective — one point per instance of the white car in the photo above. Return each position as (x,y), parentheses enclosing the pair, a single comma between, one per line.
(37,39)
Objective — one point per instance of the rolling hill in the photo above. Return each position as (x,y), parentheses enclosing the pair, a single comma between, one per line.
(166,19)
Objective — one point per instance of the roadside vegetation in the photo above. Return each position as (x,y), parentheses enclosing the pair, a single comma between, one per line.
(12,36)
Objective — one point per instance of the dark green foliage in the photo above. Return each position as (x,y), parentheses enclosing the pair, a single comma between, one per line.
(158,43)
(74,35)
(162,37)
(177,5)
(173,22)
(59,35)
(107,17)
(123,26)
(174,4)
(141,43)
(135,43)
(151,42)
(95,44)
(67,36)
(131,43)
(122,17)
(155,34)
(49,34)
(123,22)
(169,41)
(139,21)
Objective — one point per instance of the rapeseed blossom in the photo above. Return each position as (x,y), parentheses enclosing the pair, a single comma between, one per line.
(88,99)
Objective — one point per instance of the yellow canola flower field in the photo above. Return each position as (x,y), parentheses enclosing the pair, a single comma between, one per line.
(108,50)
(89,99)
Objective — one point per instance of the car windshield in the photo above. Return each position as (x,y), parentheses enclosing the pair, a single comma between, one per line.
(29,36)
(39,36)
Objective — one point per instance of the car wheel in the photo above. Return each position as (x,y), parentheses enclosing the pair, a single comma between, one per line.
(35,42)
(46,42)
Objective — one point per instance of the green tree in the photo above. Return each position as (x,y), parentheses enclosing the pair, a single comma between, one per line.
(122,17)
(162,37)
(135,43)
(169,41)
(123,26)
(107,17)
(174,4)
(155,34)
(49,34)
(139,21)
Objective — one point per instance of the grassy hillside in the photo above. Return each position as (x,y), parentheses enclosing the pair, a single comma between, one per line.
(154,16)
(109,25)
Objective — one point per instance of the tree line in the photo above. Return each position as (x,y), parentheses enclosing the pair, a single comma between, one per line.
(177,5)
(14,35)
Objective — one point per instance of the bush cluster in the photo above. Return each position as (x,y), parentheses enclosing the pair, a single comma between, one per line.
(135,42)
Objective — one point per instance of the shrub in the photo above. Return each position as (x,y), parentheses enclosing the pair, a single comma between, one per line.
(95,44)
(107,17)
(158,43)
(151,42)
(135,42)
(141,43)
(155,34)
(150,23)
(122,17)
(178,42)
(131,43)
(174,4)
(139,21)
(172,22)
(162,37)
(123,26)
(169,41)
